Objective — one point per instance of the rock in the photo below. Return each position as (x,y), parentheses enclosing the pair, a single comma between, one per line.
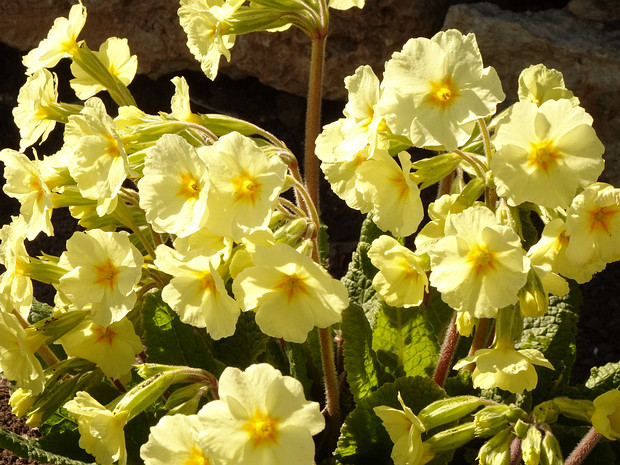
(280,60)
(606,11)
(586,52)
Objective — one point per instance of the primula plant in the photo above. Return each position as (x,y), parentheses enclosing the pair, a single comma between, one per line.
(195,320)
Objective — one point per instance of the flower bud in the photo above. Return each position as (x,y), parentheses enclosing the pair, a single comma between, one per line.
(533,300)
(531,446)
(292,232)
(20,401)
(551,454)
(496,451)
(465,323)
(451,439)
(186,399)
(491,420)
(521,428)
(579,409)
(444,411)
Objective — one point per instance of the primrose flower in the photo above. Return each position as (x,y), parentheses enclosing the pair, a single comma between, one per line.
(438,212)
(435,89)
(244,186)
(393,193)
(180,103)
(61,41)
(99,164)
(405,430)
(606,414)
(115,56)
(35,114)
(113,348)
(103,269)
(173,190)
(345,4)
(261,418)
(401,280)
(505,367)
(549,253)
(206,242)
(197,292)
(174,441)
(101,430)
(206,23)
(25,182)
(538,84)
(18,361)
(479,266)
(545,153)
(289,292)
(15,283)
(593,224)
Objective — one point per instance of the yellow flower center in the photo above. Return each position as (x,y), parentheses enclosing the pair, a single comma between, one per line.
(442,93)
(401,185)
(189,186)
(292,285)
(113,150)
(543,155)
(35,184)
(104,334)
(561,242)
(207,283)
(196,457)
(601,217)
(106,274)
(262,429)
(481,259)
(246,187)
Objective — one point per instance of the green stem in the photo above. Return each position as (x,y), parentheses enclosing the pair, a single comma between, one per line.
(583,449)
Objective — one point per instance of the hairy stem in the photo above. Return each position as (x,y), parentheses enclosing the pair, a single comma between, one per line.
(583,449)
(447,352)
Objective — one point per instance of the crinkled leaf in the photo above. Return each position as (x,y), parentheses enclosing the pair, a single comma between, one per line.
(604,378)
(61,436)
(363,439)
(245,347)
(405,341)
(300,363)
(39,311)
(364,372)
(31,448)
(171,342)
(554,335)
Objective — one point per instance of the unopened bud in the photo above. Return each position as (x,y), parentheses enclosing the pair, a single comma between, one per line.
(579,409)
(20,401)
(520,428)
(444,411)
(491,420)
(465,323)
(551,454)
(451,439)
(531,446)
(533,300)
(496,451)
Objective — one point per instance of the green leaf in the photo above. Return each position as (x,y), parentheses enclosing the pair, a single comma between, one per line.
(364,372)
(30,448)
(299,360)
(363,439)
(39,311)
(554,335)
(61,436)
(603,379)
(171,342)
(405,341)
(245,347)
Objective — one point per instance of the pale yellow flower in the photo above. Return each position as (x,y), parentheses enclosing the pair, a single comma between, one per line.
(405,430)
(549,253)
(174,441)
(173,190)
(606,414)
(197,292)
(544,154)
(99,163)
(538,84)
(35,114)
(261,418)
(15,284)
(18,361)
(244,185)
(103,269)
(435,89)
(401,280)
(25,182)
(113,348)
(593,224)
(438,212)
(180,103)
(505,367)
(392,191)
(207,242)
(114,54)
(101,430)
(206,23)
(479,266)
(290,293)
(61,41)
(346,4)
